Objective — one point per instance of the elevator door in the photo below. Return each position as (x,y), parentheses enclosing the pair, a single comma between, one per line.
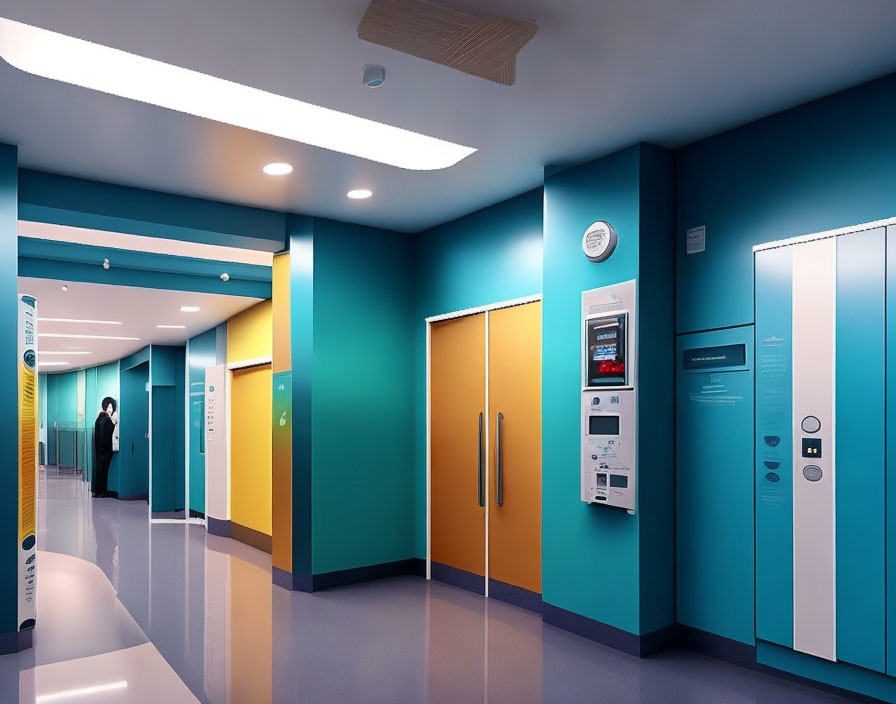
(458,426)
(514,393)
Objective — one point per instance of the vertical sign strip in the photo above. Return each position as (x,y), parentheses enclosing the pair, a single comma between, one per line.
(774,454)
(27,363)
(814,573)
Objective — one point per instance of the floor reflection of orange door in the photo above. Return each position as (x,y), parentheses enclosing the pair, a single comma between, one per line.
(514,400)
(457,416)
(485,452)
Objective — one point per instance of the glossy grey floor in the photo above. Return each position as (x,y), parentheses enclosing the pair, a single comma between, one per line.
(208,606)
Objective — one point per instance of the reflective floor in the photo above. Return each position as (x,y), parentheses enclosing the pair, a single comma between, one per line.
(130,611)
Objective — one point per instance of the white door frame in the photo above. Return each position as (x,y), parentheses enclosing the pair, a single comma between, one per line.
(438,319)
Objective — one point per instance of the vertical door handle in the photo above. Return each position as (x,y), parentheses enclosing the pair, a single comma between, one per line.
(499,461)
(481,477)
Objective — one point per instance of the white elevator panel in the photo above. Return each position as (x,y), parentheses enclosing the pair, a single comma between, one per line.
(217,444)
(814,476)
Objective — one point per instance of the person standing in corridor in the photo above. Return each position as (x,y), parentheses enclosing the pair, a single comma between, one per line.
(103,430)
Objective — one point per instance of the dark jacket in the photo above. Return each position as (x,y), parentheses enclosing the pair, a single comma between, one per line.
(102,435)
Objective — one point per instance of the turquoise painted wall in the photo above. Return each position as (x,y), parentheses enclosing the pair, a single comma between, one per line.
(362,397)
(133,478)
(589,550)
(9,375)
(823,165)
(167,430)
(488,256)
(201,354)
(301,312)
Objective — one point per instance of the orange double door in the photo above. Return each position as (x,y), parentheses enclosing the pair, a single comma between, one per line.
(485,452)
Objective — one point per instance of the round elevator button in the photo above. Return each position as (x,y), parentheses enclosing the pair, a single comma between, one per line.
(810,424)
(812,472)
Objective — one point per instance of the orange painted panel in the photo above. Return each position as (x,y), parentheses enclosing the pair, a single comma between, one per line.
(457,397)
(514,383)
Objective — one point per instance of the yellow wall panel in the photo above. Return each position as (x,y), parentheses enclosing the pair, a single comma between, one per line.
(282,351)
(250,333)
(250,448)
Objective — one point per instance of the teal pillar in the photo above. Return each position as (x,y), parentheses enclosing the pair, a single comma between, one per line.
(11,639)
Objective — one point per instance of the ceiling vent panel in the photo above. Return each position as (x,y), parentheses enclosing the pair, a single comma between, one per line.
(479,45)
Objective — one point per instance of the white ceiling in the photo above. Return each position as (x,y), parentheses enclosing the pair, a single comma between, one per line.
(138,310)
(598,76)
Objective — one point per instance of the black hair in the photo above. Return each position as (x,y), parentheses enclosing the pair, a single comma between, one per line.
(107,401)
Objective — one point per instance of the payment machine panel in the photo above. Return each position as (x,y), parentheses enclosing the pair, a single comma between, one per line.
(608,449)
(609,371)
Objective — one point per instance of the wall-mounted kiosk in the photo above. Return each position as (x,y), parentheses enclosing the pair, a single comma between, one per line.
(217,448)
(609,382)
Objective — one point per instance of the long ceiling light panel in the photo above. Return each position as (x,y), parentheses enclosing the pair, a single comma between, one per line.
(89,65)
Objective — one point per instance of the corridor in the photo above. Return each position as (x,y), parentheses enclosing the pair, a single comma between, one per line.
(133,611)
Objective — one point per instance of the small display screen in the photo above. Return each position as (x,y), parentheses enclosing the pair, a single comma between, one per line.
(603,425)
(606,351)
(812,447)
(620,481)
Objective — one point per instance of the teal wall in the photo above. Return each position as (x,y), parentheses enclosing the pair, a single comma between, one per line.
(362,397)
(9,384)
(633,190)
(201,354)
(301,313)
(133,478)
(488,256)
(824,165)
(167,427)
(606,189)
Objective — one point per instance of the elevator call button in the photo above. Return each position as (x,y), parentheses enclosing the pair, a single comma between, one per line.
(810,424)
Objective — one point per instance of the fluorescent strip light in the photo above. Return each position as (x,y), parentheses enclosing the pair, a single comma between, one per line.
(84,337)
(65,352)
(89,65)
(77,320)
(189,309)
(81,692)
(171,327)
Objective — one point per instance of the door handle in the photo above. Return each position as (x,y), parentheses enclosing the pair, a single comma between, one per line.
(499,461)
(481,477)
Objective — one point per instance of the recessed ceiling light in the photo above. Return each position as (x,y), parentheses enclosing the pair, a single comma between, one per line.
(84,337)
(189,309)
(64,287)
(78,320)
(53,364)
(171,327)
(359,193)
(65,352)
(101,68)
(278,168)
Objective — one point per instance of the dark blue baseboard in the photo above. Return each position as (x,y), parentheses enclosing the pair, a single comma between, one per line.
(616,638)
(16,641)
(717,647)
(515,595)
(458,578)
(134,497)
(218,526)
(341,578)
(413,566)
